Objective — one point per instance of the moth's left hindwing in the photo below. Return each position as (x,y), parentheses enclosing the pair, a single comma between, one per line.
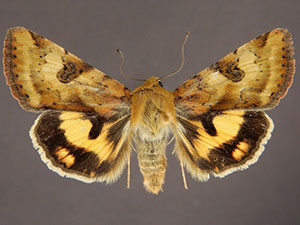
(221,142)
(84,146)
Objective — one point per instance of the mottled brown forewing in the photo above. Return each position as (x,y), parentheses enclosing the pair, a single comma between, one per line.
(253,77)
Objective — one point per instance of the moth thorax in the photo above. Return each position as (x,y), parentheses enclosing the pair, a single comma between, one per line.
(152,163)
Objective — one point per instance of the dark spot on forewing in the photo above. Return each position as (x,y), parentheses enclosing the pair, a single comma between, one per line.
(262,39)
(71,70)
(85,67)
(67,73)
(229,69)
(38,39)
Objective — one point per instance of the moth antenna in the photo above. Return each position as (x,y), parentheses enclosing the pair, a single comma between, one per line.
(183,176)
(121,67)
(128,171)
(182,58)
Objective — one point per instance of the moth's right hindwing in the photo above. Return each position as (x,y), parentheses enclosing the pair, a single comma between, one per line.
(84,146)
(221,142)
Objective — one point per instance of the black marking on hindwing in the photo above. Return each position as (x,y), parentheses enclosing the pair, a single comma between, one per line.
(191,133)
(51,138)
(207,121)
(252,131)
(190,130)
(116,131)
(97,122)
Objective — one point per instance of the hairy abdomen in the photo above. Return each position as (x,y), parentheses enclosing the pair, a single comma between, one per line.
(152,163)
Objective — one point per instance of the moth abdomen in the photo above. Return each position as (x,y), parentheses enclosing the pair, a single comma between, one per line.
(152,163)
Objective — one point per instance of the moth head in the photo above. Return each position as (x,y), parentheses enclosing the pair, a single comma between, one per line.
(152,82)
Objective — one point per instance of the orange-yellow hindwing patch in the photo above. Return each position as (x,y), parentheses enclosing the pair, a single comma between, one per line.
(221,142)
(84,146)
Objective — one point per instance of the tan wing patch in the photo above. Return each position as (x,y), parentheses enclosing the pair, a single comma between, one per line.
(43,75)
(220,143)
(255,76)
(83,146)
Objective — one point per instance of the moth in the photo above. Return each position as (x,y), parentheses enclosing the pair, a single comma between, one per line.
(89,121)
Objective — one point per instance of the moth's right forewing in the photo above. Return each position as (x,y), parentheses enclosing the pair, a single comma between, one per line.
(253,77)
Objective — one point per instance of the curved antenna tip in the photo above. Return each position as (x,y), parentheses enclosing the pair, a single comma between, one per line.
(121,67)
(182,58)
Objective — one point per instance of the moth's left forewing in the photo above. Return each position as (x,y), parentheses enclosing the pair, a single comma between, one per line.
(43,75)
(222,142)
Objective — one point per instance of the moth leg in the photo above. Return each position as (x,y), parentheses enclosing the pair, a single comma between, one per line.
(132,146)
(183,176)
(171,142)
(128,171)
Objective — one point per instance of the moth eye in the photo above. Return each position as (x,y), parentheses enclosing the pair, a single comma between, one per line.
(160,83)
